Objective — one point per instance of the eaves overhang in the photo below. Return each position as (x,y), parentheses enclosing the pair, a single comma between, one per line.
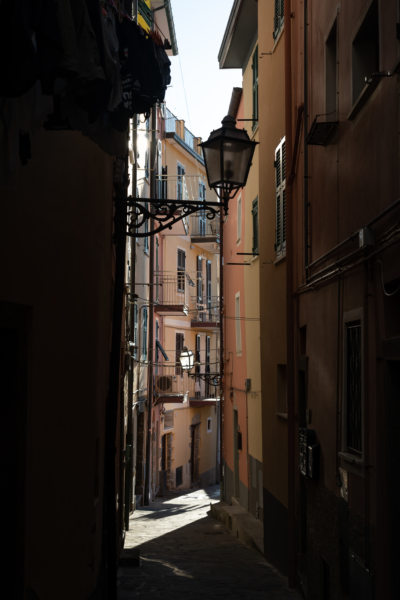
(171,135)
(165,23)
(240,33)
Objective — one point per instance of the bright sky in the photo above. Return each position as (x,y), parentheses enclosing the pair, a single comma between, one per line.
(200,91)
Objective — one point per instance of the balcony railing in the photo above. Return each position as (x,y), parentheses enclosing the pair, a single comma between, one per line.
(171,384)
(204,311)
(177,126)
(171,291)
(203,228)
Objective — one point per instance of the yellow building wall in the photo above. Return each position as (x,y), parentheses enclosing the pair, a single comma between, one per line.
(251,279)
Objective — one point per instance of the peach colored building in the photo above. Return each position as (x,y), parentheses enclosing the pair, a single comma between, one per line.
(242,430)
(186,314)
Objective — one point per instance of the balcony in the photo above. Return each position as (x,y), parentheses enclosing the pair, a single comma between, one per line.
(175,130)
(205,313)
(171,292)
(170,386)
(173,385)
(205,232)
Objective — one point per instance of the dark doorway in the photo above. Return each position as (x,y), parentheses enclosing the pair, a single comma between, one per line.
(14,332)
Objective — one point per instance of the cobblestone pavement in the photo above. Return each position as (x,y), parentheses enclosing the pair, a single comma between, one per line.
(175,550)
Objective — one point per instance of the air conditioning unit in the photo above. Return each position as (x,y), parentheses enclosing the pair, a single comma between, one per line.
(163,384)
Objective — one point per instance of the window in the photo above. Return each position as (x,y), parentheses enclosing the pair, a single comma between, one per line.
(169,419)
(239,218)
(209,425)
(202,218)
(180,182)
(208,288)
(163,183)
(280,183)
(208,365)
(331,71)
(197,355)
(281,391)
(135,330)
(254,67)
(353,373)
(238,330)
(179,476)
(179,341)
(146,229)
(278,17)
(365,51)
(157,273)
(181,267)
(157,346)
(254,212)
(144,333)
(199,275)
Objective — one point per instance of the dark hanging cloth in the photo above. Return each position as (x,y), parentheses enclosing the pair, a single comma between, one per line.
(145,73)
(18,59)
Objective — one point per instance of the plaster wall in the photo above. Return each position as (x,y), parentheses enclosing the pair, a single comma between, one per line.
(272,266)
(56,249)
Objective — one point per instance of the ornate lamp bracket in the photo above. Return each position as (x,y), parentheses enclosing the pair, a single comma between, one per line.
(165,213)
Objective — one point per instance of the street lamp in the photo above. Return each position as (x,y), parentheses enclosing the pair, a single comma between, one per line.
(227,156)
(186,359)
(228,153)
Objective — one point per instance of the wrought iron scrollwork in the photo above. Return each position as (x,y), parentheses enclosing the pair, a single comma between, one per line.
(165,213)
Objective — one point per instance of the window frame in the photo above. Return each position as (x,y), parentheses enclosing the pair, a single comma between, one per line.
(239,219)
(178,349)
(180,174)
(280,198)
(144,349)
(254,68)
(353,455)
(238,328)
(180,270)
(254,214)
(279,17)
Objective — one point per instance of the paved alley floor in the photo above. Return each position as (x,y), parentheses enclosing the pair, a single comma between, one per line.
(174,550)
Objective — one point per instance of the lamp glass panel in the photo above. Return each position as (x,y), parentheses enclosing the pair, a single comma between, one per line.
(236,159)
(212,158)
(186,359)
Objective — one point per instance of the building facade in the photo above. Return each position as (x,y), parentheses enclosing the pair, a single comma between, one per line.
(242,432)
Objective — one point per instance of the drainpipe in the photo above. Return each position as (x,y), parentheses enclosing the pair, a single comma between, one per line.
(110,530)
(290,307)
(305,199)
(221,348)
(150,368)
(131,407)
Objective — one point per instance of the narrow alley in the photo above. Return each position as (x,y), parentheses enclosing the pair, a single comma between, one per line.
(175,549)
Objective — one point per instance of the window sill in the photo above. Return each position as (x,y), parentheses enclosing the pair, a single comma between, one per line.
(352,463)
(365,93)
(280,257)
(282,415)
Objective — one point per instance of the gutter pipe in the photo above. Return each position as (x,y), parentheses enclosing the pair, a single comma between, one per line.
(290,305)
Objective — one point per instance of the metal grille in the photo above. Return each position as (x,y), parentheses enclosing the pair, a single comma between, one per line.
(353,387)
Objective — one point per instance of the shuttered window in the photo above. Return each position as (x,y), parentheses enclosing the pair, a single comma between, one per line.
(181,267)
(254,213)
(280,183)
(179,341)
(353,388)
(254,67)
(278,17)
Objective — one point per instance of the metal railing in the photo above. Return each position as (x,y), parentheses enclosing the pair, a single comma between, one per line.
(204,310)
(171,381)
(200,226)
(175,125)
